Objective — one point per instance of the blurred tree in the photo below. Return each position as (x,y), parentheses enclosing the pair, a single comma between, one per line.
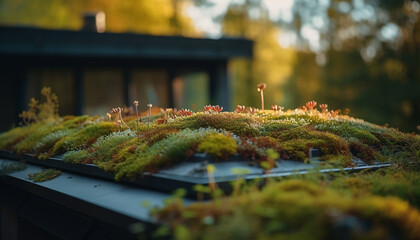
(145,16)
(369,52)
(271,64)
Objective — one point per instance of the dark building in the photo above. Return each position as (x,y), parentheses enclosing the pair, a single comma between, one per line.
(92,72)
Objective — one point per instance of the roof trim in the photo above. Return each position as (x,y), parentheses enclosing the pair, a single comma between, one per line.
(65,43)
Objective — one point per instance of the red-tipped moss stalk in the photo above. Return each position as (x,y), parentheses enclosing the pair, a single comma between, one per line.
(136,104)
(260,88)
(118,117)
(150,114)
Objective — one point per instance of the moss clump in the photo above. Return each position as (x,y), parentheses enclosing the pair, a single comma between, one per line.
(44,175)
(363,151)
(255,148)
(298,141)
(158,134)
(28,143)
(9,139)
(44,146)
(83,138)
(218,145)
(239,124)
(76,156)
(316,213)
(107,146)
(385,182)
(7,168)
(291,134)
(164,153)
(348,130)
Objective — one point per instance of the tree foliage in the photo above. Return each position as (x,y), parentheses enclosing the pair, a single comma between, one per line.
(152,17)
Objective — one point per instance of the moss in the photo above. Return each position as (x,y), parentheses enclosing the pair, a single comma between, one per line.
(255,148)
(73,121)
(363,151)
(239,124)
(298,149)
(273,126)
(44,175)
(298,141)
(27,144)
(158,134)
(400,147)
(7,168)
(317,213)
(292,134)
(9,139)
(83,138)
(162,154)
(44,147)
(76,156)
(218,145)
(106,146)
(385,182)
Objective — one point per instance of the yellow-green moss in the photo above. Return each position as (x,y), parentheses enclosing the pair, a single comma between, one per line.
(6,168)
(294,209)
(298,141)
(44,175)
(218,145)
(239,124)
(9,139)
(84,137)
(76,156)
(27,144)
(176,147)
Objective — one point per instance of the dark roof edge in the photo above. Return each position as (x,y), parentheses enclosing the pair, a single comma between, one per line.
(44,42)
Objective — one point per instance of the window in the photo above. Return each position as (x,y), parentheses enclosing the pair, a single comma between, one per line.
(61,82)
(103,90)
(149,86)
(191,89)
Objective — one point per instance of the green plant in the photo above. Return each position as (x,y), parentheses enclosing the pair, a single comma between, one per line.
(294,209)
(45,111)
(218,145)
(44,175)
(6,168)
(164,153)
(83,138)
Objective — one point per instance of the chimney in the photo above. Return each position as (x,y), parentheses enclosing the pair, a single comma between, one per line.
(94,22)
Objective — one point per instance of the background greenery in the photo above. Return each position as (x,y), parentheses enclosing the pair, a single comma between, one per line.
(355,67)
